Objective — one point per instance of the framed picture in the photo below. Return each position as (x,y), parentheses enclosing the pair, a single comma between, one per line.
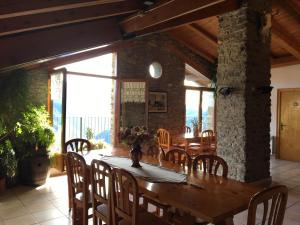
(157,102)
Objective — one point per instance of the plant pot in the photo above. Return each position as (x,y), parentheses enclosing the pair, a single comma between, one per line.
(2,185)
(196,131)
(34,171)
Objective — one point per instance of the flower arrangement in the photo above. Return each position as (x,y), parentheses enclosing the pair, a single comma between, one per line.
(137,136)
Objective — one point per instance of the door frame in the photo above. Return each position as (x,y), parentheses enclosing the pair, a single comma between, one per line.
(278,117)
(201,89)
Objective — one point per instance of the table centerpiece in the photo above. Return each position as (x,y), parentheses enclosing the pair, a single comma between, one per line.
(135,137)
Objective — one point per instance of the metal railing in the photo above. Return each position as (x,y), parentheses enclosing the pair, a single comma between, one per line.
(79,127)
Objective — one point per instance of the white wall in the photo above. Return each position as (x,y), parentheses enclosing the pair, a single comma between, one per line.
(284,77)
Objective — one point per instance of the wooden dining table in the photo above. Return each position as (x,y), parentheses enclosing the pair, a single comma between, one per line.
(190,138)
(212,198)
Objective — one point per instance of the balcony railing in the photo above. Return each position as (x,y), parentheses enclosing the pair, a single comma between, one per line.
(77,127)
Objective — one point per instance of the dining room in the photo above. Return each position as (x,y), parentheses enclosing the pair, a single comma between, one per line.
(187,101)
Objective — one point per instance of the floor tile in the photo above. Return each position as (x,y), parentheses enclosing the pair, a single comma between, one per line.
(45,215)
(22,220)
(58,221)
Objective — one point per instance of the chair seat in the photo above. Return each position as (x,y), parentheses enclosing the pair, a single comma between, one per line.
(145,218)
(103,209)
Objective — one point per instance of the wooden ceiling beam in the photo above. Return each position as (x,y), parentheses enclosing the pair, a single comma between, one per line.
(18,8)
(175,13)
(193,48)
(285,40)
(203,34)
(15,25)
(284,61)
(41,45)
(201,68)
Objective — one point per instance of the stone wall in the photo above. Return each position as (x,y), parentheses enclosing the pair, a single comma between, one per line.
(133,63)
(243,118)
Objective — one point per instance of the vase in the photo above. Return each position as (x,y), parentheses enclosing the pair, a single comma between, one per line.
(136,155)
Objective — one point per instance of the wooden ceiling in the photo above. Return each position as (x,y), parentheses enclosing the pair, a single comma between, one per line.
(201,36)
(34,31)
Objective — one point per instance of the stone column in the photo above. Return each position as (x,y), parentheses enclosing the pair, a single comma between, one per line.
(243,117)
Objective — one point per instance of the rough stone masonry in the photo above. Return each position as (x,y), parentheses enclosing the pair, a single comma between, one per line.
(243,117)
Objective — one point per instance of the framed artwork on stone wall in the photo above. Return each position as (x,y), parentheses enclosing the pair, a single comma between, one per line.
(157,102)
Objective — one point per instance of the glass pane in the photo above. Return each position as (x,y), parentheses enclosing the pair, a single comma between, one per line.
(57,110)
(208,110)
(192,101)
(101,65)
(89,108)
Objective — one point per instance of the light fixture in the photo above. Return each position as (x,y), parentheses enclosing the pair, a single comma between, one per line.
(264,89)
(155,70)
(225,91)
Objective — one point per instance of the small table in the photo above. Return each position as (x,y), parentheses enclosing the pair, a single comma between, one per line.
(189,138)
(212,198)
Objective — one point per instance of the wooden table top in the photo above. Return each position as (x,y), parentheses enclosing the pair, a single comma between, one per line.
(212,198)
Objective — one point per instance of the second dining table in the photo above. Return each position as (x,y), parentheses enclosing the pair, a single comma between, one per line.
(212,198)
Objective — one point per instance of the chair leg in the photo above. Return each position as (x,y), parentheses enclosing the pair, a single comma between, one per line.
(74,214)
(95,220)
(85,216)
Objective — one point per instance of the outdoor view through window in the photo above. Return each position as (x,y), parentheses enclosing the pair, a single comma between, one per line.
(89,100)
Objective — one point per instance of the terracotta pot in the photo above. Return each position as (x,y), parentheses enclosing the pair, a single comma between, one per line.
(136,155)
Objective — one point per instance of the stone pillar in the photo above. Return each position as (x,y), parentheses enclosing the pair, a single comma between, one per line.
(243,117)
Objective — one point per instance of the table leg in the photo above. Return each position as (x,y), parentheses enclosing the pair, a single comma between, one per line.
(227,221)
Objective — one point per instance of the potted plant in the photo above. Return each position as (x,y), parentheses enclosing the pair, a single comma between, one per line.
(195,125)
(32,138)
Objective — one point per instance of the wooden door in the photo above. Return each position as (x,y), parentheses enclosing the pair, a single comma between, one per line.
(289,124)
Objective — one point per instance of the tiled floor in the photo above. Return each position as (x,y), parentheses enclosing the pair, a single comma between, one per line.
(48,205)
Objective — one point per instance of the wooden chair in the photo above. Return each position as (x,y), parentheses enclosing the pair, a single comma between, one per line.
(77,145)
(78,186)
(100,176)
(125,201)
(179,157)
(187,129)
(210,164)
(164,139)
(207,137)
(274,202)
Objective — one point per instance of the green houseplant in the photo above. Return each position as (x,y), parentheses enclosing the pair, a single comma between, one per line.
(32,139)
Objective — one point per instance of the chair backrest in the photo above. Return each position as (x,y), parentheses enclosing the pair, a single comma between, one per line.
(124,193)
(187,129)
(77,145)
(100,180)
(207,137)
(164,139)
(210,164)
(274,202)
(162,153)
(77,176)
(178,156)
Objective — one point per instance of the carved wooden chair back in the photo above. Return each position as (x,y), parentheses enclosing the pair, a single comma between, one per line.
(77,145)
(100,181)
(211,164)
(78,184)
(273,200)
(178,156)
(164,139)
(207,137)
(125,198)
